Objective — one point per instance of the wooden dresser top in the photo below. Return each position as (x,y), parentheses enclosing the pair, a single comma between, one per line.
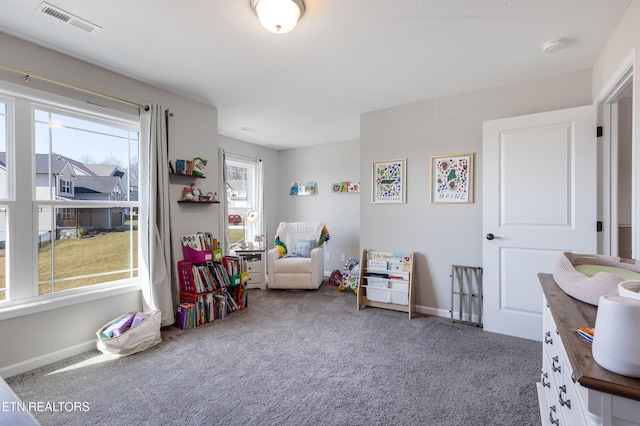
(569,314)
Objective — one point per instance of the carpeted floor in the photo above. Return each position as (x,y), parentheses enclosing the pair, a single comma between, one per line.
(300,358)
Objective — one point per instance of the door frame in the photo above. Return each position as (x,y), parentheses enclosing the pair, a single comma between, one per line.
(607,118)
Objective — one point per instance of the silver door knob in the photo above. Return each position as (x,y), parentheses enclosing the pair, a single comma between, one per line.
(490,236)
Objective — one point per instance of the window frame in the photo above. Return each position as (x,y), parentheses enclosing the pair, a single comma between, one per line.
(65,187)
(22,253)
(251,196)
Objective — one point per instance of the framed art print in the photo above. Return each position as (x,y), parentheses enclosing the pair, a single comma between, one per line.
(389,181)
(452,178)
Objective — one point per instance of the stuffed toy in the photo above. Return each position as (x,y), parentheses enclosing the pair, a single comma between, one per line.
(335,278)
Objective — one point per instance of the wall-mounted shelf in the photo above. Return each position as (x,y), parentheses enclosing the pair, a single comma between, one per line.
(198,202)
(299,189)
(189,176)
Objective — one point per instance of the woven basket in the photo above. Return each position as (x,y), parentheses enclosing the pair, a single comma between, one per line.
(589,289)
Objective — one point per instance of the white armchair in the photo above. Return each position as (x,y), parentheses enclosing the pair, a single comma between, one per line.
(297,260)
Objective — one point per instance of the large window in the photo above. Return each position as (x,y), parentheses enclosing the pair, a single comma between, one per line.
(83,200)
(94,161)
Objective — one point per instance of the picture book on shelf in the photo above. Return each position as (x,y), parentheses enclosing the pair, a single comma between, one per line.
(220,301)
(200,241)
(180,167)
(394,261)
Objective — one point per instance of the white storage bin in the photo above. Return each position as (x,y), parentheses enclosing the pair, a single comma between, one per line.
(379,294)
(400,297)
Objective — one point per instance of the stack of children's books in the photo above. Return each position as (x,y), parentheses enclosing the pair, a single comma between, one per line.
(186,316)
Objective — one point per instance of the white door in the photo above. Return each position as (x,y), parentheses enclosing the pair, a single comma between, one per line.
(539,200)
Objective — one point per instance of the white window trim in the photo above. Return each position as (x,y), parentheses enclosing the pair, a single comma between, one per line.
(25,304)
(254,181)
(43,303)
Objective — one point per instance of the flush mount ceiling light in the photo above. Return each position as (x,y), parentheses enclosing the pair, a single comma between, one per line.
(278,16)
(554,45)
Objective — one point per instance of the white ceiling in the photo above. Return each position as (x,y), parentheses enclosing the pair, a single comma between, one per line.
(344,58)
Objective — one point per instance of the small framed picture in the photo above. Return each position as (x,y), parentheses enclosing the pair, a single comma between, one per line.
(389,181)
(452,178)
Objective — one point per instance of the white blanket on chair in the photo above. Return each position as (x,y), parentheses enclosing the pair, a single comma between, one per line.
(292,232)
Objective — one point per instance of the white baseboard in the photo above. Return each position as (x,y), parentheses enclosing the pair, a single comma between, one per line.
(30,364)
(444,313)
(433,311)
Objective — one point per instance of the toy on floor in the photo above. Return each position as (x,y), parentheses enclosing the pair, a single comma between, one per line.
(335,278)
(350,275)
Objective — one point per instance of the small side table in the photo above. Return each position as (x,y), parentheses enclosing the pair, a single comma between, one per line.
(256,266)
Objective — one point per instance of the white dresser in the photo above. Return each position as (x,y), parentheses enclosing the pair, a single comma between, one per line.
(573,389)
(256,263)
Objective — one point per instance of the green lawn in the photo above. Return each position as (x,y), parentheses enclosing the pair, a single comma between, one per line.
(235,236)
(99,254)
(79,257)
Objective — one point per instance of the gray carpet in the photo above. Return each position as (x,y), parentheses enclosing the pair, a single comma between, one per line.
(301,358)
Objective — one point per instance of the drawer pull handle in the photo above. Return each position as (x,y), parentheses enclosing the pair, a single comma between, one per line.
(553,421)
(546,384)
(547,338)
(567,403)
(555,365)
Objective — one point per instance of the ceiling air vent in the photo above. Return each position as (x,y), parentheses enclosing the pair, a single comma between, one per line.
(64,16)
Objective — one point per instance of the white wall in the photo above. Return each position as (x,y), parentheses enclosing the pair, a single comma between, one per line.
(324,164)
(623,43)
(623,48)
(37,339)
(444,234)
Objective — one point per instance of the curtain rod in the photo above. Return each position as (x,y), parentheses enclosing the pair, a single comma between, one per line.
(28,74)
(242,157)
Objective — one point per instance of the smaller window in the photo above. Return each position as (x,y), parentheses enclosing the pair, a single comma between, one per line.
(67,213)
(243,183)
(64,187)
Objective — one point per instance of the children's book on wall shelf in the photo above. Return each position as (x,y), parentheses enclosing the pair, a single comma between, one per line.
(298,188)
(386,281)
(193,168)
(345,187)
